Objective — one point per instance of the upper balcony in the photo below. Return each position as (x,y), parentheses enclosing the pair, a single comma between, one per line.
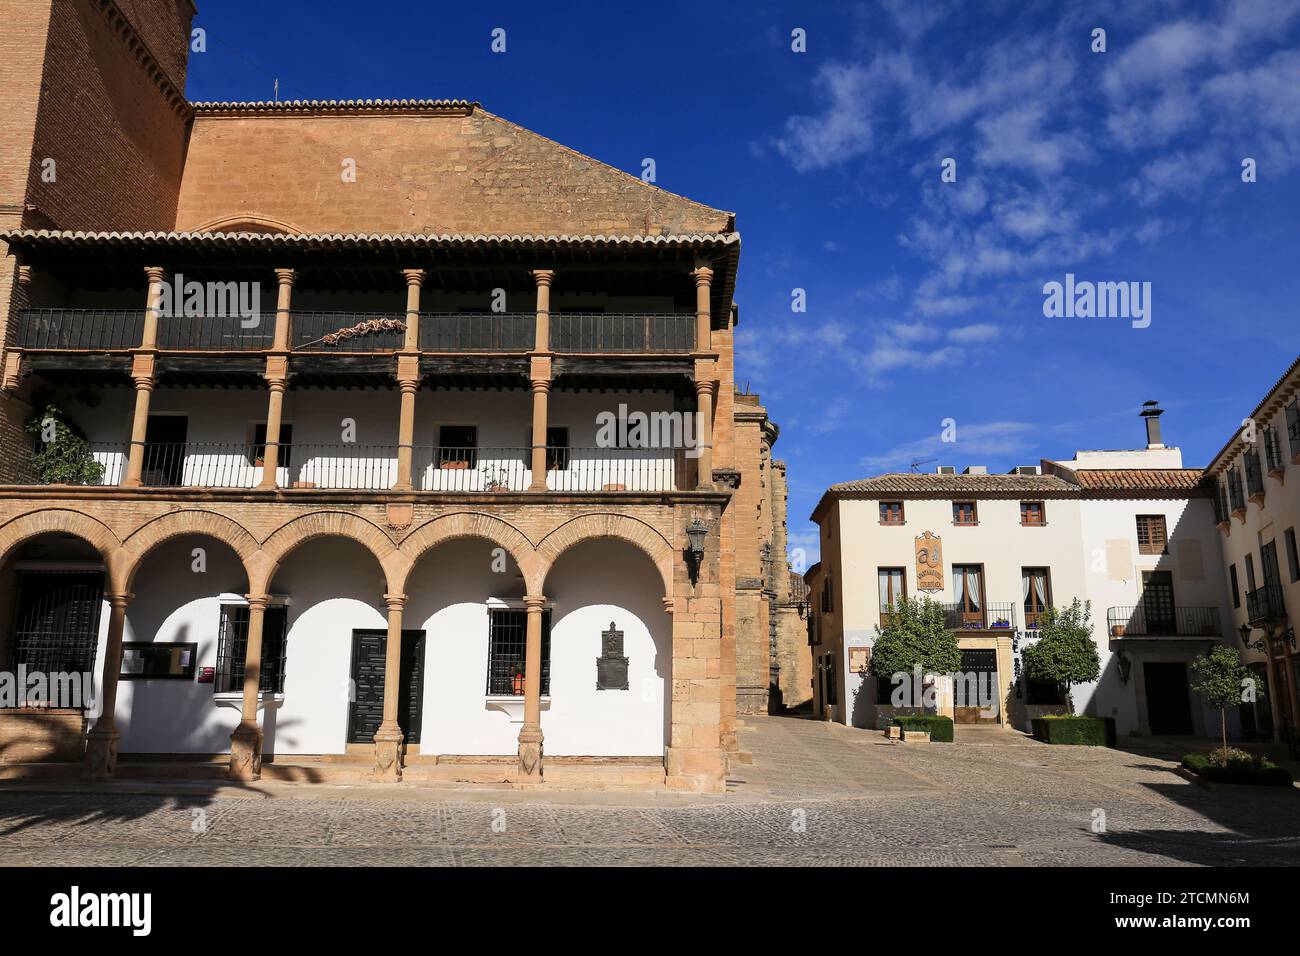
(1265,605)
(993,616)
(1163,622)
(318,332)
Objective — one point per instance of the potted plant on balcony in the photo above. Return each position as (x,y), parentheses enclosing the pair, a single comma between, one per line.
(62,456)
(1001,622)
(517,678)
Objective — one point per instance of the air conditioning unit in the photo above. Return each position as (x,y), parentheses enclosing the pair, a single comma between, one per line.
(976,470)
(945,470)
(1027,470)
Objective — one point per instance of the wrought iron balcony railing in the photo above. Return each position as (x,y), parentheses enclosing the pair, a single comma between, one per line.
(1235,496)
(119,330)
(990,616)
(1293,427)
(617,469)
(477,332)
(1272,449)
(80,329)
(1254,477)
(1265,605)
(1142,621)
(622,331)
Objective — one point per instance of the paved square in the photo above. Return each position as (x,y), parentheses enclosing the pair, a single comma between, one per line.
(816,794)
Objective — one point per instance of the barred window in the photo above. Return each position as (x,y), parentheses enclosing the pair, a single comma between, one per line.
(963,512)
(232,649)
(1151,534)
(56,627)
(1032,513)
(891,512)
(507,647)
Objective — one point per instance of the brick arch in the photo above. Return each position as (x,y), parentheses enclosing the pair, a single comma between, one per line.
(95,533)
(323,524)
(175,524)
(605,525)
(248,222)
(468,524)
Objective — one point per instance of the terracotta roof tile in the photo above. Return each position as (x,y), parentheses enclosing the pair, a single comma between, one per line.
(974,486)
(1140,479)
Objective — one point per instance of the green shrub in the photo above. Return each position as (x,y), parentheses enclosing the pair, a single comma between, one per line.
(940,728)
(1239,767)
(1070,729)
(63,455)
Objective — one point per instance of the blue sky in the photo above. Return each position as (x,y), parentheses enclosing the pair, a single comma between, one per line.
(924,298)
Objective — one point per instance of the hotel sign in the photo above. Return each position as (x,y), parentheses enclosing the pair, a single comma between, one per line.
(929,562)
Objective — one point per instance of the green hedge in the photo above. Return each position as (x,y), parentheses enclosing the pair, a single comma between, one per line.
(1084,731)
(1268,775)
(940,727)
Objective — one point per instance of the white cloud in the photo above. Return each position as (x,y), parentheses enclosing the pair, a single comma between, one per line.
(975,443)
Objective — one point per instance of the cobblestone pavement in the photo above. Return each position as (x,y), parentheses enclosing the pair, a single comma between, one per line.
(815,794)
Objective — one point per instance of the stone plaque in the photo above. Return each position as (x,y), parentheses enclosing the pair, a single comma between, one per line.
(611,665)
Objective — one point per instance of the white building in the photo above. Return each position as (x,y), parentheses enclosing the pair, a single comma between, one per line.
(1131,532)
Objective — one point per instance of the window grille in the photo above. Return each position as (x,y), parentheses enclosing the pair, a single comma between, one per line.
(232,650)
(1151,534)
(56,628)
(507,649)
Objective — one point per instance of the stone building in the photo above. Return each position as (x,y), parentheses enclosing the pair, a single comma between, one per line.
(376,428)
(773,663)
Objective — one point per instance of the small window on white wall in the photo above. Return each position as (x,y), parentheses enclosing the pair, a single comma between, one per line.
(507,646)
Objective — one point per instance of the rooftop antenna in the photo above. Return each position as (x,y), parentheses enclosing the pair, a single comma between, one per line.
(277,89)
(918,463)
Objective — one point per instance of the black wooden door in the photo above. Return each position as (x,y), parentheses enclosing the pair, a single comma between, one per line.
(369,649)
(1168,709)
(975,688)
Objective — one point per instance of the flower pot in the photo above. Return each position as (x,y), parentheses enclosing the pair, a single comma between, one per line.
(1117,630)
(455,465)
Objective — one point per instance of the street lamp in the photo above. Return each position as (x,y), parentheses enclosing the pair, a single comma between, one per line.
(1125,664)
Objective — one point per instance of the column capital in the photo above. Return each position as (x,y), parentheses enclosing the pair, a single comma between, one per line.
(286,276)
(534,602)
(120,599)
(409,386)
(543,276)
(143,383)
(395,602)
(670,605)
(24,275)
(542,385)
(703,275)
(259,601)
(703,387)
(155,273)
(414,277)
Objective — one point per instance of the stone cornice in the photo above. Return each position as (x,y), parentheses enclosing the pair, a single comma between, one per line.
(136,44)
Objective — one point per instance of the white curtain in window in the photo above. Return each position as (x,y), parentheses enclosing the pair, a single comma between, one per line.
(973,588)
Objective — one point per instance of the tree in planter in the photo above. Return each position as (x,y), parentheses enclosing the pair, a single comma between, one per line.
(1065,653)
(914,635)
(62,455)
(1218,679)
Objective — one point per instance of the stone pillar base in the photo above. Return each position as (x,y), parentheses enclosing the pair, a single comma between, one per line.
(389,745)
(101,753)
(246,753)
(697,770)
(530,756)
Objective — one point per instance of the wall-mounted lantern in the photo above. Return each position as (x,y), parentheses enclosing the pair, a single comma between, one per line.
(696,532)
(1125,665)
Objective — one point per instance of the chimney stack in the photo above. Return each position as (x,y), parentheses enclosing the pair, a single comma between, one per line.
(1151,412)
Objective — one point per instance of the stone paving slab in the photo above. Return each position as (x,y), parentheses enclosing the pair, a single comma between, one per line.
(815,795)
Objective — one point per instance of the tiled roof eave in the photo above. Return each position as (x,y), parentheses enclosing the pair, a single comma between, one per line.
(452,107)
(51,237)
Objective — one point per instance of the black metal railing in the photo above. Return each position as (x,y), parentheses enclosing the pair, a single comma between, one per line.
(337,466)
(622,331)
(216,333)
(461,468)
(200,465)
(105,465)
(1221,512)
(1254,477)
(617,469)
(1235,495)
(1272,449)
(477,331)
(990,616)
(86,329)
(1293,427)
(1144,621)
(1265,604)
(330,331)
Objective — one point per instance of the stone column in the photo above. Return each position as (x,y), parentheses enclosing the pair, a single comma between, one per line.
(142,373)
(541,389)
(408,379)
(277,377)
(543,278)
(530,735)
(704,408)
(101,742)
(703,308)
(246,741)
(695,759)
(390,739)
